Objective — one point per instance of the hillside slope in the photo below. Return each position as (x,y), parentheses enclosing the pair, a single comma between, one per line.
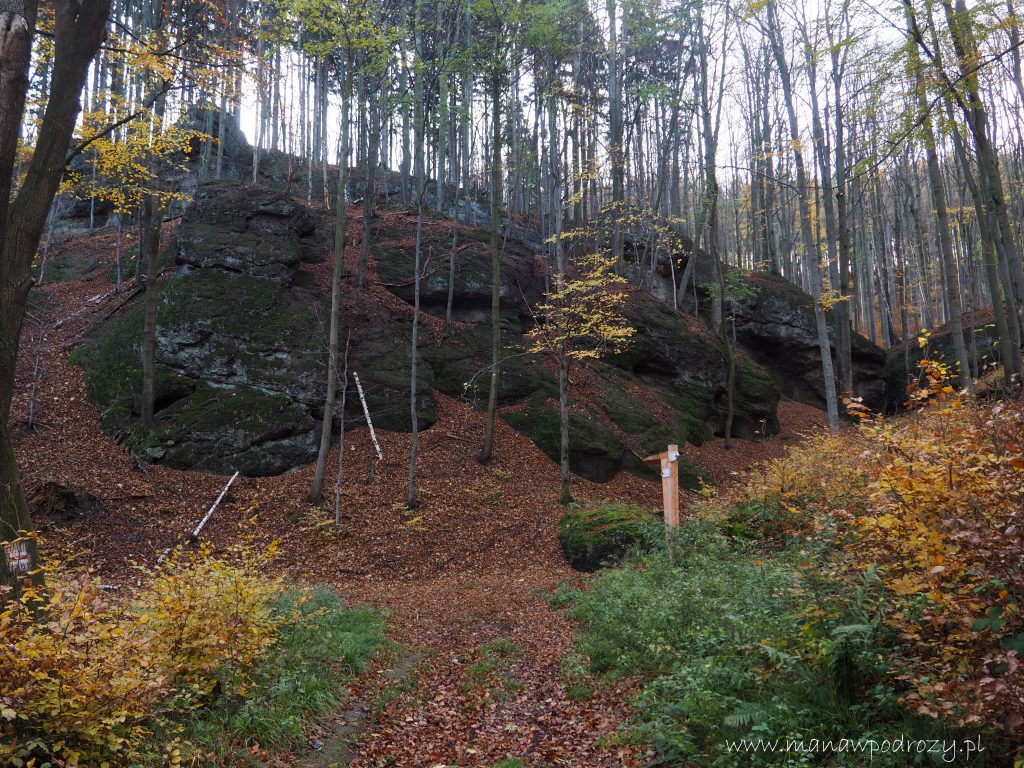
(472,564)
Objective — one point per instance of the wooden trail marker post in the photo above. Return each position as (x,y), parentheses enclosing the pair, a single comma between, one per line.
(669,464)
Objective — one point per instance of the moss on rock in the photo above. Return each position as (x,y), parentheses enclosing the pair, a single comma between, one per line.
(604,534)
(595,452)
(240,343)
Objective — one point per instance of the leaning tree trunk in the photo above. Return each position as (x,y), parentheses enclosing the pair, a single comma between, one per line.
(149,247)
(78,29)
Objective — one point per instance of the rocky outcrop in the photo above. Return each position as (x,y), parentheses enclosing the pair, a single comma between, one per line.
(240,342)
(777,329)
(247,229)
(241,351)
(774,325)
(674,351)
(673,361)
(901,364)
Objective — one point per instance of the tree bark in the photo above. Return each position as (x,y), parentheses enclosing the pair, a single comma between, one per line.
(492,397)
(78,30)
(938,195)
(340,224)
(810,252)
(410,496)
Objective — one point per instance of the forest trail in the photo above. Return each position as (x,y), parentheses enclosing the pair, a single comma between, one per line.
(464,576)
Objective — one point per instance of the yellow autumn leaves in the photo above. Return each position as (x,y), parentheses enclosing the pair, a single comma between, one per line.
(87,678)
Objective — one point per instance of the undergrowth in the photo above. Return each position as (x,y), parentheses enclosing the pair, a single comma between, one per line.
(860,609)
(209,662)
(320,645)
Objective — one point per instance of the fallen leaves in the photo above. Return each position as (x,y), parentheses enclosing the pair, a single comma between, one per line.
(473,563)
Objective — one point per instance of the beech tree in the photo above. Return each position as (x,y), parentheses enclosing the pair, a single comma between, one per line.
(495,34)
(78,30)
(581,317)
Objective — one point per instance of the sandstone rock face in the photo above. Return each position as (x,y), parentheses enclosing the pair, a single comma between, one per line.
(240,342)
(775,327)
(241,352)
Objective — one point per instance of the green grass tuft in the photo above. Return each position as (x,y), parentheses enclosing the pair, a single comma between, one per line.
(321,646)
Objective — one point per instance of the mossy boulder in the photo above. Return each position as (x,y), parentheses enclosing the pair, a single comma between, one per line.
(240,346)
(521,281)
(591,538)
(461,365)
(65,264)
(382,357)
(775,323)
(595,452)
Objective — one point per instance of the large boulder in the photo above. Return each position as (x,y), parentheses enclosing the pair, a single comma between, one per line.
(234,147)
(677,353)
(776,326)
(603,535)
(522,277)
(247,229)
(240,340)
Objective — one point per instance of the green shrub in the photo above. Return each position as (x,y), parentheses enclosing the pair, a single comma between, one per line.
(736,647)
(563,596)
(760,520)
(592,537)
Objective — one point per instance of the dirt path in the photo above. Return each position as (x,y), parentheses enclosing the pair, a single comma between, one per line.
(487,672)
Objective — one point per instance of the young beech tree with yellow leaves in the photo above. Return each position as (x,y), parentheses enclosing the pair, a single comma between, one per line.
(580,318)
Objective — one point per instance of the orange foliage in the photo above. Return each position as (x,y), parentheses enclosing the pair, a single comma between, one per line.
(933,501)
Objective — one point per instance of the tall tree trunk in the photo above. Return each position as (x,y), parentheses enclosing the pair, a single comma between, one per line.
(615,148)
(938,195)
(844,340)
(419,107)
(149,251)
(822,152)
(370,186)
(149,248)
(410,496)
(78,29)
(492,397)
(810,253)
(1002,307)
(340,224)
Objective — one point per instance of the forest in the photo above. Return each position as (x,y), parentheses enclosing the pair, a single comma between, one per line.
(511,384)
